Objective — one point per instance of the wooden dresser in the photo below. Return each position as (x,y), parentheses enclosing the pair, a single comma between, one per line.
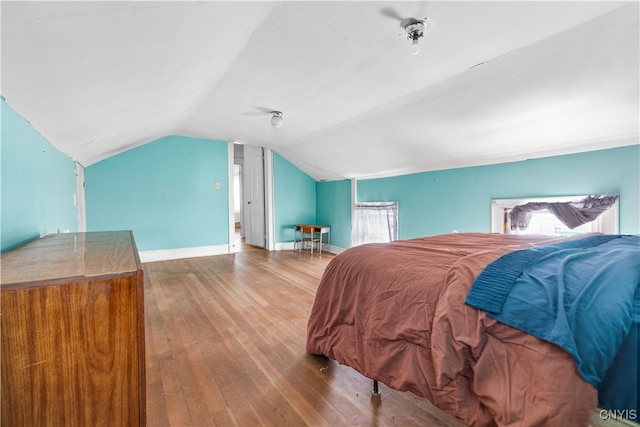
(72,318)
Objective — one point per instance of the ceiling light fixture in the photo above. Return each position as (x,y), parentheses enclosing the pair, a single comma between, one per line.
(415,29)
(276,119)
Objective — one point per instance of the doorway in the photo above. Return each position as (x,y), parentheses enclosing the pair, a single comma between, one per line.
(247,213)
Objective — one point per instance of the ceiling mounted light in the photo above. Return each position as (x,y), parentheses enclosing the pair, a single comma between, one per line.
(415,29)
(276,119)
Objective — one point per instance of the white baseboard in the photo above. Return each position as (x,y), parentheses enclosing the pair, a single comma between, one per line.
(284,246)
(180,253)
(336,249)
(288,246)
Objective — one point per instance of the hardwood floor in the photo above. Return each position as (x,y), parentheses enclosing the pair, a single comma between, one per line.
(225,346)
(240,244)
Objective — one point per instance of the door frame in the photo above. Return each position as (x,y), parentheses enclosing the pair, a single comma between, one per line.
(230,180)
(268,197)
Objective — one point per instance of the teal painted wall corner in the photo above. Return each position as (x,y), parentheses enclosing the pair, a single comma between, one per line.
(38,183)
(294,194)
(165,191)
(334,209)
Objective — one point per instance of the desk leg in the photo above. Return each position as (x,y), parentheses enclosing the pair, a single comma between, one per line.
(295,239)
(313,237)
(328,233)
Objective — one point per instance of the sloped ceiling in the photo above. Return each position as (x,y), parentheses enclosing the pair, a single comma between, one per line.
(494,81)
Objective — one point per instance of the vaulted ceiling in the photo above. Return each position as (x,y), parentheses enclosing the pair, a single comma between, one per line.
(494,81)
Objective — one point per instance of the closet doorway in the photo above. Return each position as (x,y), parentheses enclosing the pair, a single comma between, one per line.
(247,199)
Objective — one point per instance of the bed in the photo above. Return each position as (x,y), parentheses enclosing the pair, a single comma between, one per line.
(436,316)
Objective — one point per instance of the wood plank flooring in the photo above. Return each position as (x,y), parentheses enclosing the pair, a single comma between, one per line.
(225,346)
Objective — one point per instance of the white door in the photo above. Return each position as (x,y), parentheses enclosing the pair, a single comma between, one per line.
(254,210)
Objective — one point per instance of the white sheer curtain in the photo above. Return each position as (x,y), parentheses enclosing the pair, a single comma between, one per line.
(374,222)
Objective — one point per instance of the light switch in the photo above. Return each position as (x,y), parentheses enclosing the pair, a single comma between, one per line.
(217,185)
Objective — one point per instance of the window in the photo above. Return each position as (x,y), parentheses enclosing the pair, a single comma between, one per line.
(546,223)
(374,222)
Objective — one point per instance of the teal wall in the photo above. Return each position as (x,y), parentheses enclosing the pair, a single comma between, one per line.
(334,209)
(38,183)
(459,199)
(164,191)
(294,198)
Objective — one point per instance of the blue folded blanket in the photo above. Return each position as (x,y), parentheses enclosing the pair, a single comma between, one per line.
(582,295)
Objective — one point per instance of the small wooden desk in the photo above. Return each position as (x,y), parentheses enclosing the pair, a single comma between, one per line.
(311,229)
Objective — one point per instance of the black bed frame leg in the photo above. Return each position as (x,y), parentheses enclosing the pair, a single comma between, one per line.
(375,391)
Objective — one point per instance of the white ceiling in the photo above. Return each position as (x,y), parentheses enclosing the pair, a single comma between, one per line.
(494,81)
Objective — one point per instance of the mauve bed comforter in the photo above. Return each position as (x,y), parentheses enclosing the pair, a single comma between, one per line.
(395,312)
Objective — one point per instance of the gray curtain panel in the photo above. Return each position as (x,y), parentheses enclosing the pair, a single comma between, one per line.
(571,214)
